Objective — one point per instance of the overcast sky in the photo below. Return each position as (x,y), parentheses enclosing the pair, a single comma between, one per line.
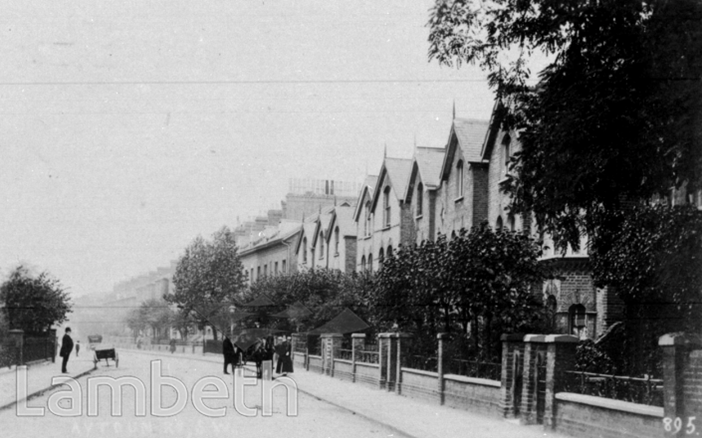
(128,128)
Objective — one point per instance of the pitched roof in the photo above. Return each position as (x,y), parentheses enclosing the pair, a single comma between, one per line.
(343,218)
(345,322)
(397,171)
(368,186)
(427,164)
(470,137)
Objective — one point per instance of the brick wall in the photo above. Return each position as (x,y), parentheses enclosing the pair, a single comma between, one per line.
(479,176)
(576,417)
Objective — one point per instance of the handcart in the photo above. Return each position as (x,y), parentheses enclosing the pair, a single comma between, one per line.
(105,351)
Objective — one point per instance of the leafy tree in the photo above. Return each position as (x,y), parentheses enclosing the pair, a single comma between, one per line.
(208,278)
(157,315)
(325,293)
(33,303)
(136,322)
(481,278)
(617,112)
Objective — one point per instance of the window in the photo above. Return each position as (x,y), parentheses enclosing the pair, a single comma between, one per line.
(258,272)
(336,240)
(389,253)
(265,270)
(386,206)
(506,153)
(304,250)
(420,198)
(498,224)
(363,263)
(276,268)
(367,224)
(459,179)
(381,257)
(510,222)
(370,262)
(283,266)
(321,245)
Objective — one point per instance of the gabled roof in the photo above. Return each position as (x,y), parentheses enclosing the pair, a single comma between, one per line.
(283,231)
(367,188)
(397,171)
(496,117)
(469,135)
(322,223)
(343,218)
(308,228)
(426,164)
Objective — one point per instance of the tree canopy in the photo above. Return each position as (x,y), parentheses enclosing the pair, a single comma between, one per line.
(33,303)
(616,114)
(208,278)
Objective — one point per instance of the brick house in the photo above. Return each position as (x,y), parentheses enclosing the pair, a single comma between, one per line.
(578,307)
(462,196)
(341,239)
(383,220)
(422,190)
(305,250)
(272,252)
(363,219)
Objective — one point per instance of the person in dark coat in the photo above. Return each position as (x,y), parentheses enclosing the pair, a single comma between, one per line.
(77,348)
(284,364)
(66,348)
(229,354)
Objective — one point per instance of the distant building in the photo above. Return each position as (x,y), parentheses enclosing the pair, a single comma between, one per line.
(272,252)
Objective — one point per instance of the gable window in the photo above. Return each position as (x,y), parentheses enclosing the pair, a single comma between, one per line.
(366,226)
(459,179)
(321,245)
(386,206)
(420,198)
(506,153)
(336,240)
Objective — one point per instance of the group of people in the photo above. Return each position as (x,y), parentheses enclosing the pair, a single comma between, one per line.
(264,349)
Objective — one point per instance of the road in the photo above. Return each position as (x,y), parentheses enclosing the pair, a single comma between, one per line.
(314,418)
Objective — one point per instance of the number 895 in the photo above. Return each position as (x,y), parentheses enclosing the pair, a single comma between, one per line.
(675,425)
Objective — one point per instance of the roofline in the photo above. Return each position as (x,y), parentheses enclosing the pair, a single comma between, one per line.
(269,243)
(493,128)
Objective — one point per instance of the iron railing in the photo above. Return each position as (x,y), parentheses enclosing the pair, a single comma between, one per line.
(366,356)
(419,362)
(641,390)
(473,368)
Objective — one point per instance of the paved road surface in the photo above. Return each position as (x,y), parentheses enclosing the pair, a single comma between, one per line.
(314,418)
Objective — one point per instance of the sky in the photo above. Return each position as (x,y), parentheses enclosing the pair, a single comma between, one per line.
(129,128)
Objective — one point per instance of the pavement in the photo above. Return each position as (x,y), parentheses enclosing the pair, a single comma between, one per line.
(409,417)
(38,378)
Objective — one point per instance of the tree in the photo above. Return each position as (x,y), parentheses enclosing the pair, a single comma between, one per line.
(34,303)
(616,114)
(208,277)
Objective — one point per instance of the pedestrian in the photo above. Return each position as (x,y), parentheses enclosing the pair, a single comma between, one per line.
(66,348)
(279,354)
(258,358)
(287,366)
(77,348)
(229,353)
(173,345)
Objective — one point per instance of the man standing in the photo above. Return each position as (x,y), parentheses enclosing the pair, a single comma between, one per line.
(66,348)
(229,354)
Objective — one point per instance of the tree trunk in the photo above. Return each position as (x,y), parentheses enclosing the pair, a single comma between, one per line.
(214,332)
